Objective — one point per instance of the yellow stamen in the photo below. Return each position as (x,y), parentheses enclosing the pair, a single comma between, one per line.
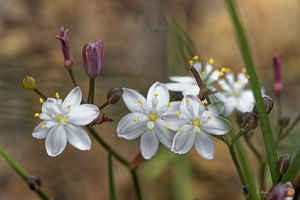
(169,105)
(244,70)
(195,58)
(43,126)
(167,127)
(211,60)
(41,100)
(221,74)
(177,113)
(289,192)
(156,94)
(135,119)
(140,101)
(203,102)
(180,129)
(198,131)
(57,95)
(222,86)
(228,69)
(65,120)
(209,117)
(149,128)
(69,106)
(238,82)
(36,114)
(248,76)
(223,69)
(191,62)
(187,100)
(203,73)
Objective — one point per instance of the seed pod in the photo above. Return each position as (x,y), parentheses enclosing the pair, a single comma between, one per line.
(28,83)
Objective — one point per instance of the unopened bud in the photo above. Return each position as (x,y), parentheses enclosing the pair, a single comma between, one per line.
(284,120)
(28,83)
(65,47)
(284,163)
(269,104)
(92,54)
(114,95)
(278,87)
(34,182)
(243,118)
(281,192)
(253,122)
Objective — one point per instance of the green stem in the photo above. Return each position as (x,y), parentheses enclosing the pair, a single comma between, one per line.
(136,183)
(91,91)
(72,77)
(236,164)
(293,169)
(263,117)
(289,129)
(13,163)
(104,105)
(111,178)
(40,93)
(254,150)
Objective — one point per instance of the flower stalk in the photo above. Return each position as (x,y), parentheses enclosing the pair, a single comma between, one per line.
(91,91)
(111,177)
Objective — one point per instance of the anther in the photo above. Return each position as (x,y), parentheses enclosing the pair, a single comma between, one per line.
(191,62)
(69,106)
(177,113)
(244,70)
(167,127)
(248,76)
(238,82)
(135,119)
(57,95)
(211,60)
(149,128)
(43,126)
(195,58)
(140,101)
(209,117)
(36,114)
(221,86)
(187,100)
(223,69)
(156,94)
(41,100)
(203,73)
(169,105)
(221,74)
(180,129)
(203,102)
(65,120)
(198,131)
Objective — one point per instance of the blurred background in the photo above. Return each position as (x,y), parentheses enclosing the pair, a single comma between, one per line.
(144,42)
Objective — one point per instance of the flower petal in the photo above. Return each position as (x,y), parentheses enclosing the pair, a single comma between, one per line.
(215,108)
(158,97)
(230,105)
(132,125)
(191,106)
(178,86)
(184,140)
(134,101)
(56,140)
(217,125)
(164,134)
(39,132)
(213,77)
(149,144)
(77,137)
(174,122)
(83,114)
(205,145)
(183,79)
(74,98)
(192,90)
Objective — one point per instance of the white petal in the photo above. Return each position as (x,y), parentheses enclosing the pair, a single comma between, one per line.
(39,132)
(198,67)
(73,98)
(244,105)
(184,140)
(230,105)
(83,114)
(192,90)
(77,137)
(178,86)
(215,108)
(191,106)
(242,78)
(149,144)
(213,77)
(230,78)
(183,79)
(205,145)
(174,122)
(56,140)
(216,125)
(132,125)
(208,68)
(164,135)
(134,101)
(158,97)
(50,107)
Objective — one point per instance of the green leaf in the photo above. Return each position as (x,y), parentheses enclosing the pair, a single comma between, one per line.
(293,169)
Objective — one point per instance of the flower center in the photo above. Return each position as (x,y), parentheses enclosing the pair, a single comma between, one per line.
(61,119)
(234,93)
(152,116)
(196,123)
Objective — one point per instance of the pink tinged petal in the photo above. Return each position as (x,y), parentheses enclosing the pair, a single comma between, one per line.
(77,137)
(132,126)
(184,140)
(178,86)
(134,101)
(192,90)
(216,125)
(205,145)
(158,96)
(74,98)
(164,134)
(83,114)
(56,140)
(39,132)
(149,144)
(183,79)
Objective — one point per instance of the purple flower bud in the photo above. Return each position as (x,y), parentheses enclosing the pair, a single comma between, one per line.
(34,182)
(281,192)
(278,87)
(284,120)
(92,54)
(284,163)
(65,47)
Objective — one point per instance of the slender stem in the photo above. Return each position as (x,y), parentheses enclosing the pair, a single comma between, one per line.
(262,175)
(237,136)
(91,91)
(104,105)
(263,117)
(40,93)
(237,165)
(111,177)
(254,150)
(17,167)
(289,129)
(136,184)
(72,76)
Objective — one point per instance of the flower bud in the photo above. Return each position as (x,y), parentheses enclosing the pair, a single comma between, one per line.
(284,163)
(278,87)
(269,104)
(28,83)
(253,122)
(114,95)
(284,120)
(281,192)
(243,118)
(92,54)
(65,47)
(34,182)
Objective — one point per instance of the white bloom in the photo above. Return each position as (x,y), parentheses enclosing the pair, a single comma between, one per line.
(188,85)
(62,121)
(194,124)
(145,119)
(234,95)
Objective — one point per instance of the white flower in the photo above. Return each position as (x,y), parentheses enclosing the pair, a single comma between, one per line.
(194,124)
(234,95)
(62,121)
(188,85)
(145,119)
